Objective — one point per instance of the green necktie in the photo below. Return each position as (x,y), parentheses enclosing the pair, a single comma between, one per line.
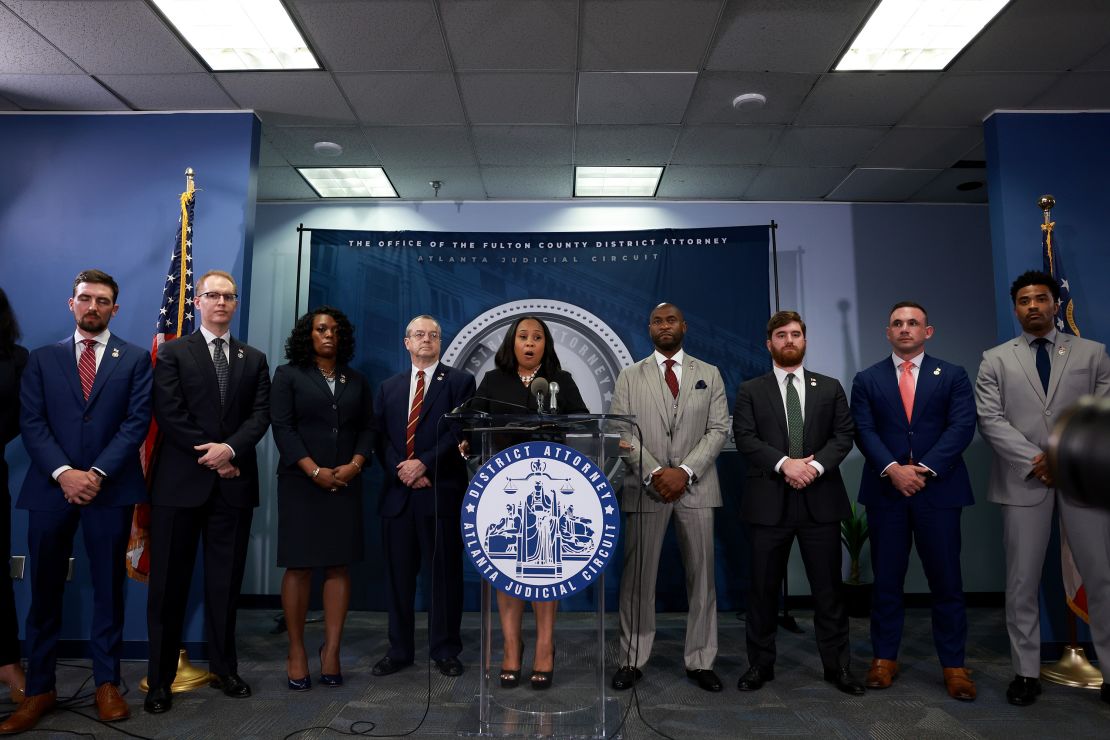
(793,417)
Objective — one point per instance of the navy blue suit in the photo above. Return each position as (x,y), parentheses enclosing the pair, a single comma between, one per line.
(413,519)
(942,427)
(60,428)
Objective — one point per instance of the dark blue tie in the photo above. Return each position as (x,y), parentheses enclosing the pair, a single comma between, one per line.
(1044,364)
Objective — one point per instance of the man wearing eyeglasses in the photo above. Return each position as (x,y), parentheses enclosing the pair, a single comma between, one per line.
(425,479)
(212,405)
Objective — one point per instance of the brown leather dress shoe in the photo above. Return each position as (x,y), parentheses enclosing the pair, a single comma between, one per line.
(29,713)
(959,684)
(109,704)
(881,673)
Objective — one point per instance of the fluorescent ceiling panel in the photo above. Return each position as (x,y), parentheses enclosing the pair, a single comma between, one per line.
(349,182)
(616,182)
(917,34)
(234,35)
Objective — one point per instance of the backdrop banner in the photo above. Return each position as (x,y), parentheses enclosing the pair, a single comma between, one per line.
(595,291)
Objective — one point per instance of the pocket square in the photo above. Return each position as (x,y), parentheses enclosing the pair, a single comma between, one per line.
(700,384)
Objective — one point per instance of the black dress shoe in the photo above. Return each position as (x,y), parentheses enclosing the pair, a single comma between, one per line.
(450,666)
(388,665)
(705,678)
(1105,691)
(844,681)
(1023,691)
(754,678)
(626,677)
(231,685)
(158,700)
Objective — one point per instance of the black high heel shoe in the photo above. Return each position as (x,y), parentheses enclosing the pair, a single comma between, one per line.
(328,679)
(510,679)
(541,680)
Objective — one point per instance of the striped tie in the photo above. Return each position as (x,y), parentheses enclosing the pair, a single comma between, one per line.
(414,416)
(86,366)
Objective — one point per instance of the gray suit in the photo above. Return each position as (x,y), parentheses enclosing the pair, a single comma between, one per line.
(688,432)
(1016,417)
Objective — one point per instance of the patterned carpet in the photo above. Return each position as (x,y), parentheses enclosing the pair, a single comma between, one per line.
(796,704)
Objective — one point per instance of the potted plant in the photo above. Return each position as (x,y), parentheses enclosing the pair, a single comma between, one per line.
(854,534)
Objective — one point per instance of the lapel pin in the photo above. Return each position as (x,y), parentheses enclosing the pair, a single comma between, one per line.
(813,382)
(240,354)
(342,378)
(937,371)
(439,377)
(115,351)
(1061,351)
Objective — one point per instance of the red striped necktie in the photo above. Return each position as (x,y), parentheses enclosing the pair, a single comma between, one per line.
(86,366)
(414,416)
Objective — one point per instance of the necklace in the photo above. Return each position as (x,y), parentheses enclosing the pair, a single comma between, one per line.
(328,374)
(527,379)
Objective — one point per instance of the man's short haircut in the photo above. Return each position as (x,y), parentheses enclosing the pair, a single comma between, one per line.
(218,273)
(782,318)
(909,304)
(98,277)
(1034,277)
(425,317)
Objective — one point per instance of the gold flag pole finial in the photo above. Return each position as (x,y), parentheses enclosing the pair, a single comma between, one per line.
(190,185)
(1047,203)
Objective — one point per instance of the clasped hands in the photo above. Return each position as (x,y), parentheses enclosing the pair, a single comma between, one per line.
(412,474)
(907,479)
(79,486)
(332,479)
(217,456)
(670,483)
(1041,470)
(798,471)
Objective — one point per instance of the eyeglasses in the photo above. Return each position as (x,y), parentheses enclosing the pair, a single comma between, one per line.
(419,335)
(214,296)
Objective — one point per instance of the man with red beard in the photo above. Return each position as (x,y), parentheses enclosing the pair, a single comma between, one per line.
(795,428)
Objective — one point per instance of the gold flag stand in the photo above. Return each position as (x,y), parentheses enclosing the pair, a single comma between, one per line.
(189,677)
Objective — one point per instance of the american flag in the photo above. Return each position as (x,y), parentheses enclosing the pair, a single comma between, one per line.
(1074,589)
(175,319)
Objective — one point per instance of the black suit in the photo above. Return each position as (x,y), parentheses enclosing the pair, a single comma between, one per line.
(189,499)
(10,370)
(778,513)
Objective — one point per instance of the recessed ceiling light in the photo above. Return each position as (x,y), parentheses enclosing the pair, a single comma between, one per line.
(327,148)
(349,182)
(616,182)
(233,35)
(917,34)
(751,101)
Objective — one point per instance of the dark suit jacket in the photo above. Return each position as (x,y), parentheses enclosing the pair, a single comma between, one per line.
(311,422)
(187,408)
(61,428)
(436,444)
(942,428)
(503,393)
(759,425)
(11,368)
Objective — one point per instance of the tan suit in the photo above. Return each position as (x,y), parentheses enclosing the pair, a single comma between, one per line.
(689,431)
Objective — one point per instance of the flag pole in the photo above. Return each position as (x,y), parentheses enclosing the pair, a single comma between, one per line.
(1073,668)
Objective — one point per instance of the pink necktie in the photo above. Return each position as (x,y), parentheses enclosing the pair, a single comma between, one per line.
(905,388)
(86,366)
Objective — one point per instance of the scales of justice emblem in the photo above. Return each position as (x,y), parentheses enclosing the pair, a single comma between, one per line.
(543,523)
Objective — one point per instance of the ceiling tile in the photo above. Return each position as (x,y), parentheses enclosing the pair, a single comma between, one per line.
(624,145)
(360,36)
(58,92)
(634,97)
(1077,90)
(268,155)
(530,34)
(881,185)
(942,188)
(864,98)
(198,91)
(6,104)
(295,145)
(24,51)
(825,146)
(726,144)
(966,99)
(456,183)
(523,145)
(528,183)
(288,98)
(1037,35)
(108,36)
(283,183)
(680,181)
(403,97)
(923,148)
(786,35)
(420,146)
(518,97)
(1099,61)
(794,183)
(642,35)
(715,91)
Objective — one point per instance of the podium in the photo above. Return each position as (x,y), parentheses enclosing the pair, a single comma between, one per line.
(577,704)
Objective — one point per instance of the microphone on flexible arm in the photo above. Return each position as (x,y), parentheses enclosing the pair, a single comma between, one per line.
(539,389)
(554,387)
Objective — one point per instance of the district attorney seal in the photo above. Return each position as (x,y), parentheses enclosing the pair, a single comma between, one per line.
(588,348)
(540,521)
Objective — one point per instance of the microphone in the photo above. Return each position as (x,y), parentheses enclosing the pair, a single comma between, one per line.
(554,395)
(540,390)
(465,406)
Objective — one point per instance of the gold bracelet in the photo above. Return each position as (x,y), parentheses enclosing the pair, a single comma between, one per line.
(314,473)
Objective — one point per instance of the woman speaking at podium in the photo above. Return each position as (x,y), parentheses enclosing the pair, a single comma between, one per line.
(526,353)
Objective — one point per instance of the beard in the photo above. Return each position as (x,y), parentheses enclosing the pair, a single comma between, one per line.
(93,323)
(669,343)
(788,356)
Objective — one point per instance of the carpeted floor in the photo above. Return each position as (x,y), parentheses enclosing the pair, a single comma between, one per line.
(796,704)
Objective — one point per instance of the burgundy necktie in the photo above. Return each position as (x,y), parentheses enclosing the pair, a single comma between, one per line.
(414,416)
(86,366)
(670,377)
